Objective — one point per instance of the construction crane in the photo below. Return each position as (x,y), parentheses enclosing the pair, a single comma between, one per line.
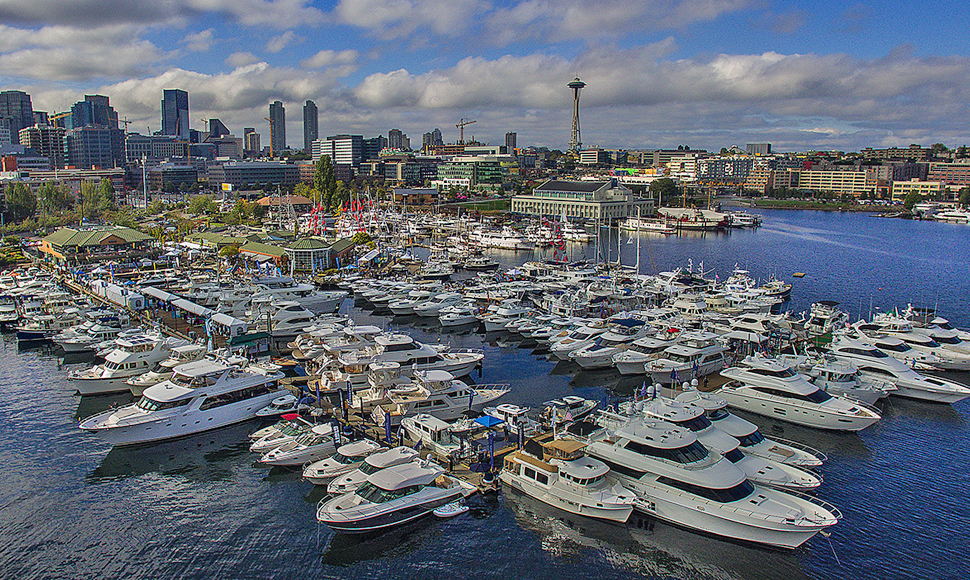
(270,136)
(206,123)
(461,127)
(52,118)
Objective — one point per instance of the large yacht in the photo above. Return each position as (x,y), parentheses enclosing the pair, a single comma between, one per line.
(407,352)
(131,357)
(678,480)
(575,340)
(617,339)
(768,387)
(917,343)
(641,352)
(752,442)
(346,459)
(875,363)
(163,371)
(693,418)
(371,465)
(201,395)
(392,497)
(560,474)
(696,354)
(843,378)
(436,393)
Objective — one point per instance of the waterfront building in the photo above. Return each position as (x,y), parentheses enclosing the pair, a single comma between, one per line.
(724,169)
(760,180)
(99,244)
(415,196)
(912,153)
(74,176)
(371,148)
(46,141)
(246,174)
(927,189)
(470,172)
(300,203)
(259,253)
(175,113)
(758,149)
(308,254)
(342,149)
(16,112)
(595,200)
(957,174)
(277,127)
(311,119)
(595,157)
(854,183)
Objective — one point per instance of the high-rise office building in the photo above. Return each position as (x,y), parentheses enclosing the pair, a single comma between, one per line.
(46,141)
(95,146)
(16,112)
(372,147)
(396,139)
(250,141)
(345,149)
(175,113)
(218,129)
(277,127)
(436,139)
(758,148)
(94,110)
(310,129)
(510,142)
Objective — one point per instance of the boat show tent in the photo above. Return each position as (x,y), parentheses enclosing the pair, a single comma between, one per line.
(159,294)
(192,307)
(234,326)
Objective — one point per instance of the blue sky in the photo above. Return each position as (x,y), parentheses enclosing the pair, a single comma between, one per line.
(705,73)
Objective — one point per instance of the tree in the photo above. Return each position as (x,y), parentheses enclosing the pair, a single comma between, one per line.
(202,204)
(89,200)
(324,180)
(964,197)
(156,207)
(21,201)
(912,198)
(663,187)
(106,196)
(937,148)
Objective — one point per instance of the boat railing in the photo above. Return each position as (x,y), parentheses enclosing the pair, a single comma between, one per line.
(466,351)
(798,403)
(696,499)
(801,447)
(492,386)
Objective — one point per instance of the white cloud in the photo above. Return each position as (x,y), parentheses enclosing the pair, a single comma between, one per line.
(199,41)
(278,43)
(401,18)
(330,58)
(238,59)
(96,13)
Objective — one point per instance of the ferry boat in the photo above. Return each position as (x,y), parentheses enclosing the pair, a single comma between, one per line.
(642,224)
(200,396)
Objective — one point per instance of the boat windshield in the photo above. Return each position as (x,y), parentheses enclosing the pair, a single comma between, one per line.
(901,347)
(686,454)
(818,396)
(750,439)
(151,405)
(738,492)
(368,469)
(948,339)
(698,423)
(734,455)
(370,492)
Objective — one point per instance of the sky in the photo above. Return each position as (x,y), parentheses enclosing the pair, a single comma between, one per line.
(707,74)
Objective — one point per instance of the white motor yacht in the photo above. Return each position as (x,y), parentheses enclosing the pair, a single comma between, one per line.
(347,458)
(280,406)
(768,387)
(696,354)
(560,474)
(132,357)
(371,465)
(436,393)
(577,339)
(643,351)
(414,298)
(918,347)
(290,427)
(391,497)
(86,341)
(825,317)
(179,355)
(200,396)
(312,446)
(757,469)
(875,363)
(843,378)
(677,479)
(617,339)
(458,314)
(434,305)
(752,442)
(567,409)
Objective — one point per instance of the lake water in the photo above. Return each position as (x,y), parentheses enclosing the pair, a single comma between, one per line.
(72,507)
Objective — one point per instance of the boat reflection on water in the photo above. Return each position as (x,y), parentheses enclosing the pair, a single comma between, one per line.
(607,377)
(345,550)
(648,547)
(94,404)
(913,409)
(206,457)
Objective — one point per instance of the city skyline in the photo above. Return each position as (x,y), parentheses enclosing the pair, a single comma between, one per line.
(706,74)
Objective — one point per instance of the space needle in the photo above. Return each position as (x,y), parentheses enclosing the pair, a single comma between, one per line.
(575,140)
